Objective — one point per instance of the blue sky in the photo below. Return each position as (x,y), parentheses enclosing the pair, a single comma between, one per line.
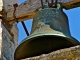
(74,23)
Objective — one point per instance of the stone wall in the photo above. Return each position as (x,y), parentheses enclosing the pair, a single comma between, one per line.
(1,5)
(8,39)
(9,43)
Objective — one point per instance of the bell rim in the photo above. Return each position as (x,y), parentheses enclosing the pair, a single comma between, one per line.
(35,36)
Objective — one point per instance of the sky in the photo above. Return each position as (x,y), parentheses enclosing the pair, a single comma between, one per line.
(74,23)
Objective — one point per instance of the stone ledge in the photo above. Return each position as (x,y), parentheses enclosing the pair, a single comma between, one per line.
(72,53)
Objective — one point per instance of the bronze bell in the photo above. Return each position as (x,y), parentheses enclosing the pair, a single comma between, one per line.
(50,32)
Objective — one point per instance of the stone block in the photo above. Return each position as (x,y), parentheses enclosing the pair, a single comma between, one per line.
(72,53)
(8,46)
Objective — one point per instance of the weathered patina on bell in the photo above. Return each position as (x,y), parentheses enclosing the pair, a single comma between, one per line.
(50,32)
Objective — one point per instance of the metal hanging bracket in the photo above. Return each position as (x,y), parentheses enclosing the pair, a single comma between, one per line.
(15,6)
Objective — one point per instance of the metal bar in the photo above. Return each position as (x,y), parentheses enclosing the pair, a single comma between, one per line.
(56,3)
(25,28)
(42,4)
(52,1)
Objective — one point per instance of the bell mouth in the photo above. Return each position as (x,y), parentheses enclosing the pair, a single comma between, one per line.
(42,45)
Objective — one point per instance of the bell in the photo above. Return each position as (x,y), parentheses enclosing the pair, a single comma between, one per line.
(50,32)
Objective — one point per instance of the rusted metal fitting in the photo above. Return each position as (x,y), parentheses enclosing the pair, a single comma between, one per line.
(24,26)
(15,6)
